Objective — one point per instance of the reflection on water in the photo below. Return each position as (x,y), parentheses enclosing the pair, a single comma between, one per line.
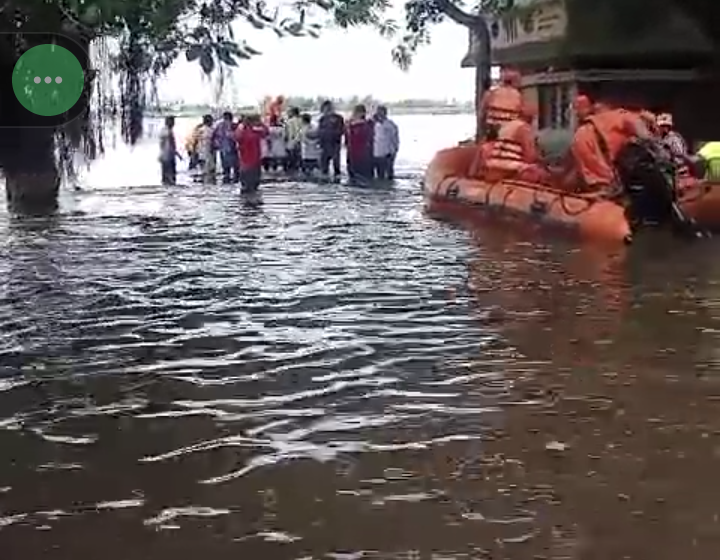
(332,374)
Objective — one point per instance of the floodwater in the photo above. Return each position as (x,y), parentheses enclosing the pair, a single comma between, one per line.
(334,375)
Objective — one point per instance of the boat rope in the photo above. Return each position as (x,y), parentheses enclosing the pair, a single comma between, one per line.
(572,213)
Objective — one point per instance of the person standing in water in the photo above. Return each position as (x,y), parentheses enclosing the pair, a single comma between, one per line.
(331,129)
(359,142)
(293,132)
(224,141)
(168,152)
(191,146)
(277,152)
(309,146)
(228,149)
(250,137)
(386,143)
(206,150)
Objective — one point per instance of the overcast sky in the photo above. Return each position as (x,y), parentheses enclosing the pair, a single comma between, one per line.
(338,64)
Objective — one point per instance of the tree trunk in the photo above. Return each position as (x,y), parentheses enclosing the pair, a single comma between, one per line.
(31,175)
(483,65)
(478,25)
(31,192)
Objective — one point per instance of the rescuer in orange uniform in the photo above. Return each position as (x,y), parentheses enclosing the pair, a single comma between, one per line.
(583,108)
(515,154)
(503,103)
(598,142)
(485,150)
(567,176)
(649,120)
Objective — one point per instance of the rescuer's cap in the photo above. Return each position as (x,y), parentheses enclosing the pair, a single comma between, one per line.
(664,119)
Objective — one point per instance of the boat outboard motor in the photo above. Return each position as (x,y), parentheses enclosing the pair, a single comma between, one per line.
(648,177)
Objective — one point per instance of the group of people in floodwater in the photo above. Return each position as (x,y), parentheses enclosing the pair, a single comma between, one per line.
(285,141)
(509,148)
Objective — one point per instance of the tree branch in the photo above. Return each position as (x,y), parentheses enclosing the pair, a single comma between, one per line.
(457,14)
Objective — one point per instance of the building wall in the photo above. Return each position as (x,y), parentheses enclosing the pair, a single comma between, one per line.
(588,33)
(643,33)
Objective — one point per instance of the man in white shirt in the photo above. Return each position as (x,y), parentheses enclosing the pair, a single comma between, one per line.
(386,143)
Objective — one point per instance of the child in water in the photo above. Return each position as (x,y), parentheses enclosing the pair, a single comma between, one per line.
(309,146)
(250,138)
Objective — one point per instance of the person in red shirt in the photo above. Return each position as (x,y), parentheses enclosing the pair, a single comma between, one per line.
(250,136)
(359,141)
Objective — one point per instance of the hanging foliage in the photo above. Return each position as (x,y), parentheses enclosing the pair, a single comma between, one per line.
(422,15)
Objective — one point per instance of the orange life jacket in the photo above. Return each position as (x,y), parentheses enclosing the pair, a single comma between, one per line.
(479,163)
(502,104)
(616,127)
(598,142)
(590,159)
(486,150)
(510,151)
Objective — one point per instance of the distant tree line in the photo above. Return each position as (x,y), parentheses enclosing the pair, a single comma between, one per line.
(347,103)
(312,104)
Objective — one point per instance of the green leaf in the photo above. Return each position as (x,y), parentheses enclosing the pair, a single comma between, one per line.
(312,33)
(402,57)
(231,46)
(224,56)
(201,32)
(388,28)
(256,23)
(269,19)
(193,52)
(250,50)
(207,62)
(295,29)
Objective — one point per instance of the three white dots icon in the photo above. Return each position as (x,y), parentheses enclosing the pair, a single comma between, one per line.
(48,79)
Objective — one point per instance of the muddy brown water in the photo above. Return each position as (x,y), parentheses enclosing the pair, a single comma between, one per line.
(334,374)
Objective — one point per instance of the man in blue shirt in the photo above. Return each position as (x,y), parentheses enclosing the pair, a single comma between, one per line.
(224,141)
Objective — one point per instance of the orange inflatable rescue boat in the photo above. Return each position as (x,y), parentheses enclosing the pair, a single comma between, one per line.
(449,188)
